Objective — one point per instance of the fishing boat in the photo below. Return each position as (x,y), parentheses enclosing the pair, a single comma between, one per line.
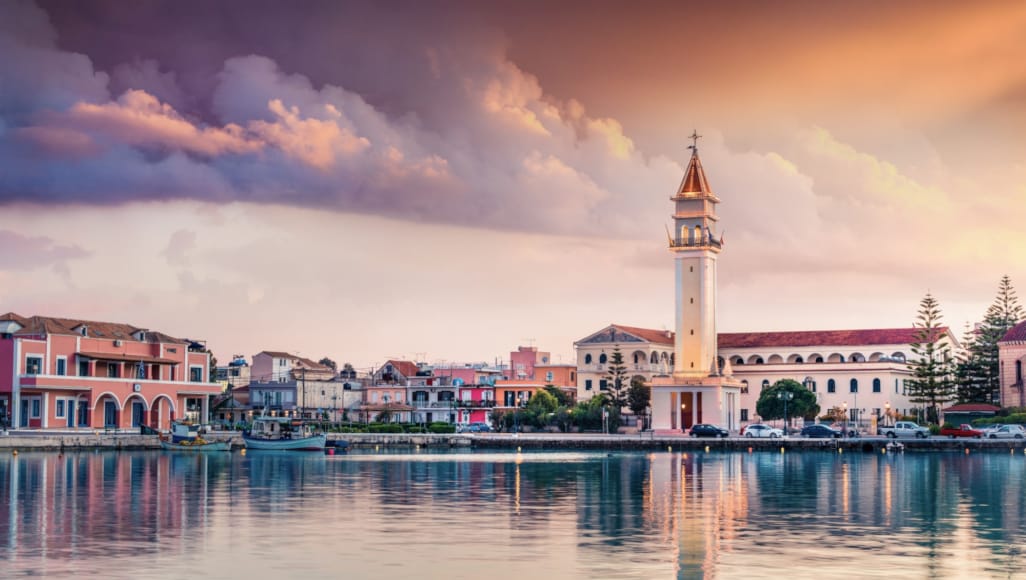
(196,445)
(283,434)
(184,432)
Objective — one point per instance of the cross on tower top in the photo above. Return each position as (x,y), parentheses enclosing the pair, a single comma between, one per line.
(694,136)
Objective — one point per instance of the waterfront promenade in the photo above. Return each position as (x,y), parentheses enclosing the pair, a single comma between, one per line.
(72,440)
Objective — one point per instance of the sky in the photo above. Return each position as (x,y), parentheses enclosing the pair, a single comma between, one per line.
(444,181)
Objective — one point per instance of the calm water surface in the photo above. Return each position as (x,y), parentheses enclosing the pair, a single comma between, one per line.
(528,516)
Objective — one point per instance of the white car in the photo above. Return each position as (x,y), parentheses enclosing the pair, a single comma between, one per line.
(1007,432)
(760,430)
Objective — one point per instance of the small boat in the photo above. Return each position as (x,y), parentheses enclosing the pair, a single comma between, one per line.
(184,432)
(196,445)
(282,434)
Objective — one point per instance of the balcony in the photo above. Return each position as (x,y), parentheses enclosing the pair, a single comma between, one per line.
(696,244)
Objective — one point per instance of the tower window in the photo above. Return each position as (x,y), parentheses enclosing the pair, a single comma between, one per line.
(692,300)
(692,332)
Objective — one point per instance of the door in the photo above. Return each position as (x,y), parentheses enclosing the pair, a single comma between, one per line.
(70,412)
(23,420)
(110,414)
(137,414)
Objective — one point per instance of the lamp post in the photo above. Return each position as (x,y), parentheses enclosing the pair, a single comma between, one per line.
(683,406)
(516,413)
(887,413)
(785,396)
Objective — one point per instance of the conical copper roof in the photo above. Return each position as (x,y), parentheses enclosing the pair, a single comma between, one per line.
(694,181)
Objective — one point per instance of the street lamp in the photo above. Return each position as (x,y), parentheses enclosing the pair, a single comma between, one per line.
(516,413)
(887,413)
(785,396)
(683,406)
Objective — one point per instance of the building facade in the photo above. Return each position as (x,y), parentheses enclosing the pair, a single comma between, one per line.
(65,373)
(1011,358)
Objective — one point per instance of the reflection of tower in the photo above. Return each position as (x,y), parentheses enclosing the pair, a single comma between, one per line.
(700,390)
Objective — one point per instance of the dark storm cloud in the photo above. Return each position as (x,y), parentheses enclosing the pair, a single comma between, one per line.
(406,111)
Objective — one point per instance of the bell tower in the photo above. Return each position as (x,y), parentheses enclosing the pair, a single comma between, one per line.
(695,244)
(700,390)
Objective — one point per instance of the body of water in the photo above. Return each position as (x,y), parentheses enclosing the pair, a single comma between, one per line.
(529,516)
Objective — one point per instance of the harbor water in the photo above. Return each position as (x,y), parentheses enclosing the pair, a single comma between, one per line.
(506,515)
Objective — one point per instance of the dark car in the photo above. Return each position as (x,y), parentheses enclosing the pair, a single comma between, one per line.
(479,428)
(706,430)
(820,432)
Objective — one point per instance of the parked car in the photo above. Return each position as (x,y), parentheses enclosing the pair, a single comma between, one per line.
(963,430)
(760,430)
(707,430)
(905,429)
(820,431)
(1007,432)
(479,428)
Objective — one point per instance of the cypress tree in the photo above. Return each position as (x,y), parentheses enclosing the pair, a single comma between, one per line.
(1004,313)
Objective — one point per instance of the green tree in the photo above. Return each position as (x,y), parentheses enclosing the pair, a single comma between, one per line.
(562,397)
(932,384)
(970,372)
(328,363)
(616,380)
(639,396)
(1004,313)
(801,404)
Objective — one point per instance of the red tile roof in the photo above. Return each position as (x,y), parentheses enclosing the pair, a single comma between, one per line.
(405,367)
(870,336)
(651,335)
(971,408)
(37,325)
(881,336)
(1015,334)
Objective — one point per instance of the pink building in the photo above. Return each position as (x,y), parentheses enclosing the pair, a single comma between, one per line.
(61,373)
(474,404)
(1011,357)
(523,360)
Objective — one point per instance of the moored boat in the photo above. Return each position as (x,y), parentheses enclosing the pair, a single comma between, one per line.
(282,434)
(196,445)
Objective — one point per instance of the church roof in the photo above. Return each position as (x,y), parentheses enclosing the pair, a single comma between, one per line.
(694,178)
(1015,334)
(651,335)
(799,338)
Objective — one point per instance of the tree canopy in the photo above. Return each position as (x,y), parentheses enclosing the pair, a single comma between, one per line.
(932,369)
(617,381)
(978,375)
(801,404)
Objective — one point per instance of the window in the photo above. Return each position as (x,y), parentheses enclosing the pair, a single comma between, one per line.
(854,386)
(548,376)
(587,384)
(83,368)
(36,408)
(744,387)
(140,371)
(831,386)
(60,408)
(587,359)
(603,384)
(744,414)
(876,385)
(655,358)
(62,366)
(113,371)
(1018,371)
(34,365)
(765,384)
(196,374)
(603,359)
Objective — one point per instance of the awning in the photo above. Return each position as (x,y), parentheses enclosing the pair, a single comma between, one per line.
(128,358)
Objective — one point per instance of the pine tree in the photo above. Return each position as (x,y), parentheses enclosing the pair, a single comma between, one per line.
(1003,314)
(969,372)
(639,397)
(616,380)
(931,367)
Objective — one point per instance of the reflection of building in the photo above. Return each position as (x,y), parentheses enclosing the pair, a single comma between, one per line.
(1011,358)
(63,373)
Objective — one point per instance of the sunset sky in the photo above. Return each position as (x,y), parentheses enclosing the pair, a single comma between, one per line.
(447,180)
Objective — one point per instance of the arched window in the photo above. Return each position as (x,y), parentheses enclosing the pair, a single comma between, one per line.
(737,361)
(744,387)
(854,385)
(587,359)
(831,386)
(819,359)
(672,361)
(603,358)
(635,358)
(665,357)
(654,359)
(765,384)
(698,235)
(876,385)
(759,361)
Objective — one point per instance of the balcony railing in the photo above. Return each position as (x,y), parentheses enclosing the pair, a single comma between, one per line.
(706,242)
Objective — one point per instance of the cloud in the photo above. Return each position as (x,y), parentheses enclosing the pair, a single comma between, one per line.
(178,247)
(24,253)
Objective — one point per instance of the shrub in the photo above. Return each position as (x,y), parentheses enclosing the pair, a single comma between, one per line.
(384,428)
(442,428)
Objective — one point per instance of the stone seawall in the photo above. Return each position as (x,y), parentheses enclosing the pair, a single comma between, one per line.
(57,441)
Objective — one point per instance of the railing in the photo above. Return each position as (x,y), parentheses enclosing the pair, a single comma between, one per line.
(702,243)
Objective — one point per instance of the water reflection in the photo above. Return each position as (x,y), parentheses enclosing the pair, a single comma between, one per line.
(505,515)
